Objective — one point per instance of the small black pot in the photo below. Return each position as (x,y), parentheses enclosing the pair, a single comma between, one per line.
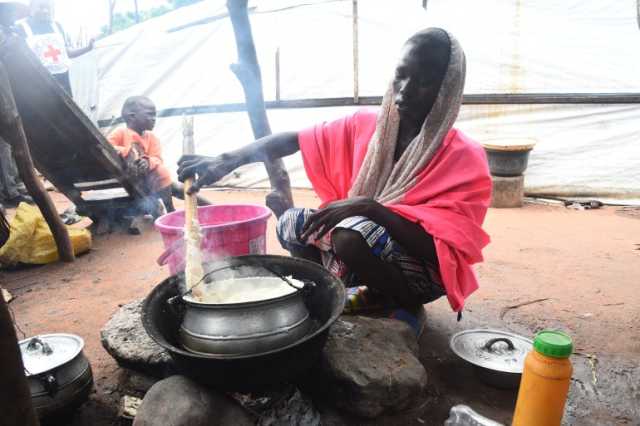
(58,391)
(507,163)
(498,379)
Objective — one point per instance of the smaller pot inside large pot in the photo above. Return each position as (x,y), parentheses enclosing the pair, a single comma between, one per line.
(249,372)
(246,327)
(58,373)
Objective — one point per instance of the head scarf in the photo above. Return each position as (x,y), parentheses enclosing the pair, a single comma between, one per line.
(382,179)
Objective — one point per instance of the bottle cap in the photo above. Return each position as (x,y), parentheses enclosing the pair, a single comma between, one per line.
(553,343)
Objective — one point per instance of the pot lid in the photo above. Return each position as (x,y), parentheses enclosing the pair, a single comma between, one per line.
(493,349)
(49,351)
(509,144)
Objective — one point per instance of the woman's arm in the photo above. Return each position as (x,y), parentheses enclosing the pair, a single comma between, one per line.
(209,170)
(411,236)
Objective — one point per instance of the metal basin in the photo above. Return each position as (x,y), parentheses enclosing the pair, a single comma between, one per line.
(245,328)
(246,372)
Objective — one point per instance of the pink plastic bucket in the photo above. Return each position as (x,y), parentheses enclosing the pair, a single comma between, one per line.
(227,230)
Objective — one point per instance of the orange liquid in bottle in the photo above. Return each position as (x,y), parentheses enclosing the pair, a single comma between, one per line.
(545,381)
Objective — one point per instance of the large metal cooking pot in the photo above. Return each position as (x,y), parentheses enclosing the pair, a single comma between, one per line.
(245,328)
(58,373)
(244,372)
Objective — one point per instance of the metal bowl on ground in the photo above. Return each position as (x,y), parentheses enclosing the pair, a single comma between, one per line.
(324,302)
(58,373)
(245,328)
(508,158)
(497,356)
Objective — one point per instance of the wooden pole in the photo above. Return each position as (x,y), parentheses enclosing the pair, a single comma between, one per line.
(137,11)
(278,74)
(12,131)
(247,70)
(356,59)
(15,396)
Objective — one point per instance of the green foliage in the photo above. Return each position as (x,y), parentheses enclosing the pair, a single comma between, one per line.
(122,21)
(180,3)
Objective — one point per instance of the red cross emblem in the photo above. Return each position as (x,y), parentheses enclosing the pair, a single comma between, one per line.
(52,53)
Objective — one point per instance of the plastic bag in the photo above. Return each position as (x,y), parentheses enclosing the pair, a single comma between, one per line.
(31,240)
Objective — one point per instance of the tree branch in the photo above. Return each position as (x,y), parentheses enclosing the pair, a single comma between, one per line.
(247,70)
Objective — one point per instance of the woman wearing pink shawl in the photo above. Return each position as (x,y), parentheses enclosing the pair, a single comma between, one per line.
(403,193)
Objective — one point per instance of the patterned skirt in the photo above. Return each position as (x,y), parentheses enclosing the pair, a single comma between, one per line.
(422,278)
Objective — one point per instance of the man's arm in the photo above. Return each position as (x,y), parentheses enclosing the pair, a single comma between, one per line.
(154,153)
(209,170)
(74,53)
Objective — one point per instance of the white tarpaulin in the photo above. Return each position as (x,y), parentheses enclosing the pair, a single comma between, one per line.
(512,46)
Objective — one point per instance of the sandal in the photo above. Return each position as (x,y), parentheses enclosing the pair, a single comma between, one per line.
(361,300)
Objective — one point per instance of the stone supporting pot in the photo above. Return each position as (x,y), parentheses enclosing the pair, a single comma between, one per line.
(508,192)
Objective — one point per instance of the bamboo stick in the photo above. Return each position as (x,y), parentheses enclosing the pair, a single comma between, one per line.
(194,273)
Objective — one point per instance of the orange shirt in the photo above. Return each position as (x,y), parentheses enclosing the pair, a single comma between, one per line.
(123,139)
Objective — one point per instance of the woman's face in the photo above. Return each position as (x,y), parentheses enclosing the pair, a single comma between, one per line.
(415,85)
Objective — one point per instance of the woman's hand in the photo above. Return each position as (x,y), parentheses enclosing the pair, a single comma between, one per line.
(326,219)
(208,170)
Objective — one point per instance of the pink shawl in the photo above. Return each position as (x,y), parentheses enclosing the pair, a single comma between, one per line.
(449,199)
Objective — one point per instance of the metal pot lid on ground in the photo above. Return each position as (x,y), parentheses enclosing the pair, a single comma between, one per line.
(492,349)
(46,352)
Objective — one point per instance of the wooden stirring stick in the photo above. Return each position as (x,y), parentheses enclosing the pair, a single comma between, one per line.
(194,273)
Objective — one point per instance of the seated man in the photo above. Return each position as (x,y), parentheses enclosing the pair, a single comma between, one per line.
(48,41)
(141,149)
(403,193)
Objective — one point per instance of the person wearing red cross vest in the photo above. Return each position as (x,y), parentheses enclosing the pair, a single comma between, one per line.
(47,40)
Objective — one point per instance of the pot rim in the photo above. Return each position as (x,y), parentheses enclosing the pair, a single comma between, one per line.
(474,361)
(179,230)
(252,304)
(78,351)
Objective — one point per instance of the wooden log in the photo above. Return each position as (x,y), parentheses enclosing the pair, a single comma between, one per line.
(13,132)
(247,70)
(15,396)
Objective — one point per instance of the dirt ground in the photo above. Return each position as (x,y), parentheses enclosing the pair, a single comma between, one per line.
(579,268)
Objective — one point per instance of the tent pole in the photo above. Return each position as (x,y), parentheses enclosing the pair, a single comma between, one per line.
(356,59)
(247,70)
(278,74)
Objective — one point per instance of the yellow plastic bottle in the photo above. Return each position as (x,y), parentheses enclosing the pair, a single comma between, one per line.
(545,381)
